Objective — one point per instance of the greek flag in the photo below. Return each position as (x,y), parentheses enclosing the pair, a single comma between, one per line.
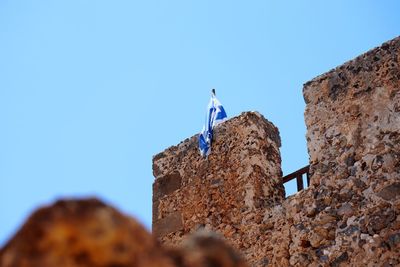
(215,115)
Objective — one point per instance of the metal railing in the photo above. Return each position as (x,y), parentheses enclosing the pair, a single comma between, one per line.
(298,175)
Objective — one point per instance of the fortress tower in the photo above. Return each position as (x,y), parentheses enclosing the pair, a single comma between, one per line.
(226,193)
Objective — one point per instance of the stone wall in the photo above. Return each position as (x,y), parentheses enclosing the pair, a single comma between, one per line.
(352,118)
(228,192)
(349,216)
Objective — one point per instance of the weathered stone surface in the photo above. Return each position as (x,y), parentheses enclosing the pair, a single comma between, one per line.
(349,216)
(88,233)
(170,224)
(352,117)
(390,192)
(167,184)
(353,134)
(228,192)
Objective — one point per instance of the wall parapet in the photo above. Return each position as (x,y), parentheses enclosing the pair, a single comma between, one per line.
(226,193)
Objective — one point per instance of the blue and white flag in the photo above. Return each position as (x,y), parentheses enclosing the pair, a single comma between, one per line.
(215,115)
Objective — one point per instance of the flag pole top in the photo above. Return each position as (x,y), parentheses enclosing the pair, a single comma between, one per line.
(213,91)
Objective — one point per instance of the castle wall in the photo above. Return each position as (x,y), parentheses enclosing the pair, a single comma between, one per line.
(349,216)
(352,118)
(226,193)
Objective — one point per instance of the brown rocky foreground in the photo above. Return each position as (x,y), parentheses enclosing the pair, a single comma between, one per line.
(90,233)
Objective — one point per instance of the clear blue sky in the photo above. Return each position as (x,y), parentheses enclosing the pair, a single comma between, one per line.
(91,90)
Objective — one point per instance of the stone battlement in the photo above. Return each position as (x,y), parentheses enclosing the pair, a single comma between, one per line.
(241,177)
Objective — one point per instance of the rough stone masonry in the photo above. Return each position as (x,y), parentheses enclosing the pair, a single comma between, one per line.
(228,192)
(349,216)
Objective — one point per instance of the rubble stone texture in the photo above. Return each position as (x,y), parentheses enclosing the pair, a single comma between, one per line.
(349,216)
(226,192)
(89,233)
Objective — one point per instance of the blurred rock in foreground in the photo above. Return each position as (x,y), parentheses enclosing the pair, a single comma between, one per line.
(91,233)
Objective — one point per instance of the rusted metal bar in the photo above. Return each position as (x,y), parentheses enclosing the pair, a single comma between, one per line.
(298,175)
(293,175)
(300,185)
